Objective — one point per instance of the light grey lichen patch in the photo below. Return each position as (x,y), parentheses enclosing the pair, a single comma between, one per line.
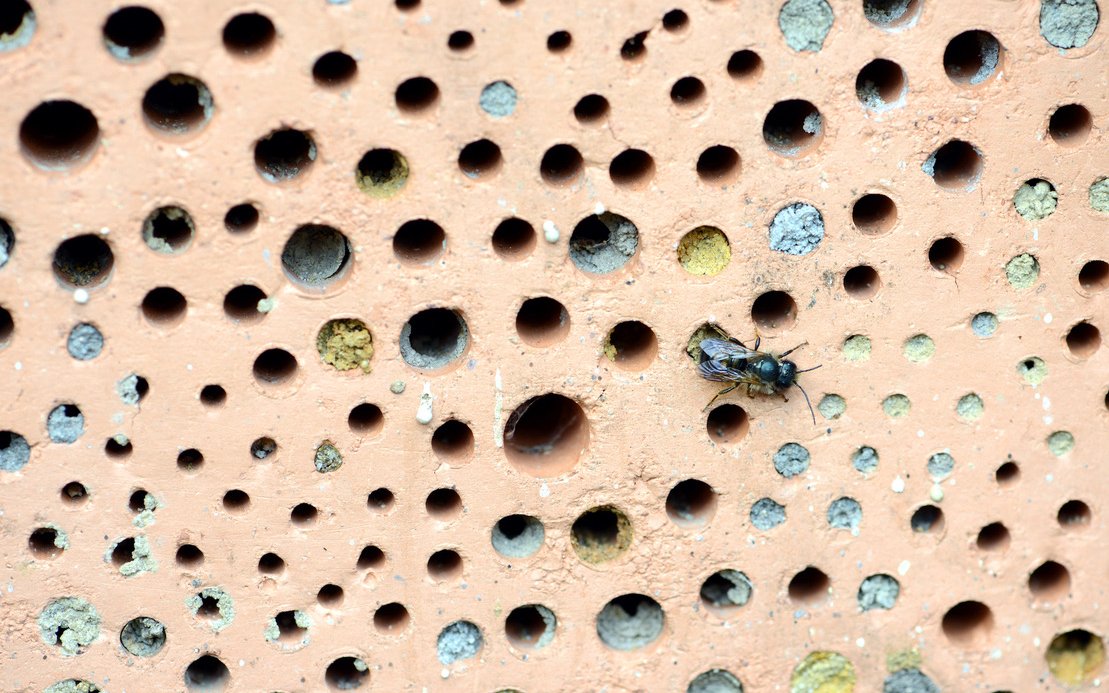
(518,536)
(65,424)
(715,681)
(128,390)
(832,406)
(896,406)
(1099,194)
(910,680)
(457,641)
(603,243)
(70,623)
(15,451)
(328,458)
(1033,370)
(796,229)
(805,24)
(19,35)
(142,557)
(214,604)
(1060,443)
(145,517)
(878,592)
(630,622)
(865,459)
(845,513)
(296,621)
(1022,271)
(143,636)
(72,686)
(397,387)
(1068,23)
(984,325)
(919,348)
(970,407)
(498,99)
(766,514)
(940,466)
(727,588)
(85,342)
(791,459)
(1035,200)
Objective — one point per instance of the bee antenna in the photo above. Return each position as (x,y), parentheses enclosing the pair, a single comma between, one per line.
(811,369)
(811,412)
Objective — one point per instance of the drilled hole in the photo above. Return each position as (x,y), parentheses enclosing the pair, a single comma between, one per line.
(443,504)
(381,500)
(630,621)
(248,34)
(274,367)
(634,48)
(74,493)
(603,243)
(168,230)
(406,5)
(1083,340)
(348,673)
(1076,657)
(972,57)
(241,304)
(862,282)
(591,109)
(371,558)
(213,396)
(687,91)
(968,624)
(83,261)
(119,450)
(881,85)
(164,306)
(675,20)
(546,435)
(177,104)
(460,41)
(391,618)
(1070,125)
(542,322)
(334,69)
(453,442)
(632,168)
(530,627)
(46,543)
(330,596)
(631,345)
(132,32)
(271,564)
(419,242)
(993,537)
(561,165)
(304,514)
(1050,582)
(123,552)
(434,338)
(513,239)
(809,586)
(601,534)
(892,14)
(480,159)
(745,65)
(284,154)
(241,218)
(691,503)
(1094,276)
(874,214)
(793,128)
(316,256)
(1074,514)
(946,255)
(927,519)
(1007,474)
(559,41)
(955,166)
(7,326)
(444,565)
(416,95)
(774,310)
(718,165)
(727,423)
(57,135)
(381,173)
(725,591)
(207,673)
(190,460)
(189,556)
(236,501)
(366,419)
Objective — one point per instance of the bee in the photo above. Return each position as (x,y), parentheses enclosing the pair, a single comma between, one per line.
(730,361)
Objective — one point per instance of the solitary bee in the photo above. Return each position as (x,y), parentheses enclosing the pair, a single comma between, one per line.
(730,361)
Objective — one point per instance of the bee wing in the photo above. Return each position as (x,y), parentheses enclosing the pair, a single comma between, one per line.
(719,349)
(715,370)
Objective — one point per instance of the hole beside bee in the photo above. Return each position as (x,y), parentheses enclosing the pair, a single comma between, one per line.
(774,310)
(631,345)
(727,424)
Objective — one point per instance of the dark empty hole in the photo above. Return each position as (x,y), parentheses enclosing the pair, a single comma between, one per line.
(274,366)
(675,20)
(880,83)
(546,435)
(542,321)
(632,168)
(12,15)
(591,108)
(526,628)
(241,218)
(691,502)
(634,343)
(381,500)
(434,338)
(635,47)
(248,34)
(284,154)
(7,325)
(334,69)
(927,519)
(271,564)
(861,282)
(190,460)
(114,448)
(967,622)
(168,230)
(460,40)
(365,418)
(390,617)
(971,57)
(330,595)
(416,94)
(955,166)
(58,134)
(727,423)
(946,255)
(559,41)
(687,91)
(1050,580)
(207,673)
(131,32)
(1073,513)
(1007,474)
(444,564)
(406,5)
(792,127)
(561,164)
(513,239)
(142,386)
(1083,340)
(343,674)
(164,305)
(42,543)
(512,526)
(774,309)
(241,303)
(874,213)
(287,627)
(810,585)
(189,555)
(1094,275)
(177,104)
(1070,124)
(123,552)
(75,493)
(303,514)
(479,158)
(83,261)
(718,164)
(993,537)
(371,557)
(443,503)
(236,501)
(419,241)
(137,501)
(453,440)
(744,64)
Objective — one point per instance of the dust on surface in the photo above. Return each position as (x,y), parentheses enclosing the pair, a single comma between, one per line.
(797,229)
(143,636)
(1068,23)
(1075,657)
(1022,271)
(71,623)
(1036,200)
(459,640)
(823,672)
(704,251)
(328,458)
(805,24)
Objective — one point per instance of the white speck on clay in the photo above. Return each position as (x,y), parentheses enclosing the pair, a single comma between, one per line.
(81,296)
(898,485)
(903,567)
(424,412)
(550,231)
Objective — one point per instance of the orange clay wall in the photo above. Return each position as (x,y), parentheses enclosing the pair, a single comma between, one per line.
(353,344)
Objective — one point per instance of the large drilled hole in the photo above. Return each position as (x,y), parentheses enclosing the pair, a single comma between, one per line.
(1070,125)
(83,261)
(241,303)
(862,282)
(371,558)
(444,565)
(955,166)
(1094,276)
(745,65)
(381,500)
(444,504)
(207,673)
(546,435)
(968,624)
(601,534)
(809,586)
(891,14)
(1049,582)
(316,256)
(874,214)
(334,69)
(562,164)
(391,618)
(530,627)
(419,242)
(366,419)
(603,243)
(118,447)
(381,172)
(274,367)
(479,159)
(513,239)
(1007,474)
(168,230)
(727,423)
(1075,658)
(687,91)
(591,109)
(542,322)
(718,165)
(289,631)
(793,128)
(434,338)
(630,621)
(881,85)
(632,168)
(1073,514)
(946,255)
(330,596)
(164,306)
(631,345)
(189,556)
(271,564)
(304,515)
(249,34)
(44,544)
(993,537)
(416,95)
(57,135)
(190,460)
(927,519)
(453,442)
(284,154)
(972,57)
(132,32)
(691,503)
(242,218)
(346,673)
(177,104)
(1083,340)
(774,310)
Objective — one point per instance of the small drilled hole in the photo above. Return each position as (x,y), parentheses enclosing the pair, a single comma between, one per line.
(927,519)
(691,503)
(330,596)
(83,261)
(189,556)
(460,41)
(634,48)
(809,586)
(207,673)
(718,165)
(1050,582)
(862,282)
(274,367)
(443,504)
(177,104)
(513,239)
(530,627)
(434,338)
(416,95)
(453,442)
(57,135)
(675,20)
(304,514)
(381,172)
(1007,474)
(190,460)
(993,537)
(874,214)
(366,419)
(241,218)
(727,423)
(559,41)
(43,543)
(561,165)
(881,85)
(968,624)
(74,493)
(271,564)
(236,501)
(601,534)
(284,154)
(1094,276)
(371,558)
(955,166)
(972,57)
(444,565)
(546,435)
(7,326)
(419,242)
(345,673)
(793,128)
(334,69)
(168,230)
(213,396)
(479,159)
(687,91)
(631,345)
(773,310)
(946,255)
(1083,340)
(632,168)
(1070,125)
(391,618)
(1073,514)
(542,322)
(241,304)
(114,448)
(381,500)
(591,109)
(248,34)
(164,306)
(745,65)
(132,32)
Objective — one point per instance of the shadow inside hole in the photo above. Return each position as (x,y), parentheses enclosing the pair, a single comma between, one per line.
(874,214)
(530,627)
(284,154)
(391,618)
(271,564)
(443,504)
(44,543)
(416,95)
(603,243)
(946,255)
(460,41)
(1049,582)
(1007,474)
(562,164)
(993,537)
(1070,125)
(304,514)
(725,591)
(1094,276)
(453,441)
(774,310)
(123,552)
(288,630)
(809,586)
(57,135)
(74,493)
(745,65)
(190,460)
(955,166)
(675,20)
(274,367)
(513,239)
(891,14)
(382,172)
(334,69)
(366,419)
(249,34)
(546,435)
(346,673)
(236,501)
(630,621)
(479,159)
(591,109)
(972,57)
(691,503)
(1083,340)
(880,85)
(381,500)
(517,536)
(968,623)
(632,168)
(316,256)
(1073,514)
(132,32)
(168,230)
(927,519)
(419,242)
(542,321)
(241,218)
(164,306)
(559,41)
(177,104)
(83,261)
(371,558)
(434,338)
(189,556)
(687,91)
(727,423)
(631,345)
(330,596)
(718,164)
(862,282)
(445,564)
(7,326)
(241,303)
(634,48)
(207,673)
(793,127)
(601,534)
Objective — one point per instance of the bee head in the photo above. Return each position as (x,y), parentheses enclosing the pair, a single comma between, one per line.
(787,374)
(767,370)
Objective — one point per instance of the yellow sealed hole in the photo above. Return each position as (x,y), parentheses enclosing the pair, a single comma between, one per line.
(1075,657)
(346,344)
(601,534)
(704,251)
(381,172)
(823,672)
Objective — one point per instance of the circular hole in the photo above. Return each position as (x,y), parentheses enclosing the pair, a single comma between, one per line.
(57,135)
(371,558)
(498,99)
(968,624)
(453,442)
(381,173)
(460,41)
(132,32)
(348,673)
(993,537)
(955,166)
(881,85)
(517,536)
(236,502)
(434,338)
(241,304)
(334,69)
(691,503)
(262,448)
(561,165)
(479,159)
(406,5)
(687,91)
(704,251)
(546,435)
(725,591)
(630,621)
(142,636)
(1076,657)
(1007,474)
(271,564)
(1083,340)
(366,419)
(745,65)
(530,627)
(1070,125)
(793,128)
(164,306)
(391,618)
(632,168)
(891,14)
(927,519)
(718,165)
(603,243)
(7,326)
(513,239)
(207,673)
(874,214)
(444,565)
(75,493)
(168,230)
(330,596)
(559,41)
(675,20)
(46,543)
(946,255)
(177,104)
(190,460)
(443,504)
(773,310)
(601,534)
(83,261)
(631,345)
(304,514)
(1073,514)
(290,633)
(7,241)
(315,256)
(419,242)
(137,501)
(241,218)
(727,424)
(416,95)
(861,282)
(114,448)
(1094,276)
(17,24)
(591,109)
(635,48)
(542,322)
(1050,582)
(248,34)
(189,556)
(809,586)
(284,154)
(971,57)
(381,500)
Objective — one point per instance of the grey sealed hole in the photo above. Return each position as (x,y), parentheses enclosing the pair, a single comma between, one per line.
(940,466)
(946,255)
(631,345)
(881,85)
(892,14)
(453,442)
(630,621)
(792,459)
(164,306)
(274,367)
(1022,271)
(1094,276)
(1074,514)
(797,229)
(691,503)
(546,435)
(330,596)
(419,242)
(391,618)
(83,261)
(189,556)
(1068,23)
(727,423)
(591,109)
(460,41)
(725,591)
(745,65)
(133,32)
(17,25)
(57,135)
(632,168)
(271,564)
(865,459)
(1083,340)
(178,104)
(517,536)
(242,304)
(416,95)
(542,322)
(972,57)
(911,680)
(993,537)
(805,24)
(334,69)
(927,519)
(513,239)
(444,565)
(955,166)
(65,424)
(793,128)
(1070,125)
(874,214)
(968,623)
(457,641)
(878,592)
(634,48)
(143,636)
(85,341)
(559,41)
(715,681)
(207,673)
(284,154)
(774,310)
(719,164)
(603,243)
(366,419)
(316,255)
(69,623)
(241,218)
(434,338)
(480,159)
(862,282)
(249,34)
(984,325)
(443,504)
(687,92)
(498,99)
(530,627)
(766,514)
(561,165)
(809,586)
(168,230)
(845,513)
(381,500)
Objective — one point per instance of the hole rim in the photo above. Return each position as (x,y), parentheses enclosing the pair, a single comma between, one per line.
(533,450)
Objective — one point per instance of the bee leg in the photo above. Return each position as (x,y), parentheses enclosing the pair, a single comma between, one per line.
(787,353)
(758,338)
(719,394)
